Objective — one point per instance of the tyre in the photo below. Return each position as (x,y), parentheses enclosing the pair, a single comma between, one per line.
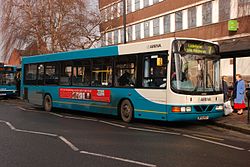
(47,103)
(126,111)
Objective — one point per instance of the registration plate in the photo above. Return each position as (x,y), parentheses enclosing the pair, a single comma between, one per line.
(203,118)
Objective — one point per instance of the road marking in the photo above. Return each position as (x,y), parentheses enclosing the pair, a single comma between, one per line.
(213,142)
(11,126)
(21,108)
(155,131)
(154,128)
(34,132)
(8,124)
(208,137)
(117,158)
(69,143)
(113,124)
(81,118)
(55,114)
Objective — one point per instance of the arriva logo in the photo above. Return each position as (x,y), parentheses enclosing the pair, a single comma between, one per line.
(154,46)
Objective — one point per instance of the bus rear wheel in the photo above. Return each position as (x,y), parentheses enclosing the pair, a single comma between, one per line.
(126,111)
(47,103)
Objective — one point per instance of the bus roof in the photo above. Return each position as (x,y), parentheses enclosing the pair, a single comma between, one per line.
(72,55)
(123,49)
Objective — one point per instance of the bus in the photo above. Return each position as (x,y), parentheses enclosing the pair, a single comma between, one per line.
(173,79)
(8,81)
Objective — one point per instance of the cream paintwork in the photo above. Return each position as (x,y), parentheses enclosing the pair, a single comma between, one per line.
(165,96)
(161,96)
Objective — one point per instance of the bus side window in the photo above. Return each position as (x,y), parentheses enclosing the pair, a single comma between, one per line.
(30,74)
(81,73)
(155,72)
(102,72)
(66,73)
(125,73)
(51,73)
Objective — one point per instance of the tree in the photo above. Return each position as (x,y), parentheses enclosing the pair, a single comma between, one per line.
(53,25)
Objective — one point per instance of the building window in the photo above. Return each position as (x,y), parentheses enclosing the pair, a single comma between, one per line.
(137,4)
(178,20)
(207,13)
(129,32)
(166,24)
(192,17)
(146,29)
(109,13)
(243,8)
(145,3)
(138,31)
(121,8)
(116,37)
(122,35)
(129,6)
(109,38)
(156,26)
(155,1)
(224,10)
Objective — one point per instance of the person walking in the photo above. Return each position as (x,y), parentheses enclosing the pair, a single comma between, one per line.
(225,88)
(239,94)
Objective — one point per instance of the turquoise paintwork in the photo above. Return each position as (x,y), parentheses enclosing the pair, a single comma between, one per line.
(143,108)
(73,55)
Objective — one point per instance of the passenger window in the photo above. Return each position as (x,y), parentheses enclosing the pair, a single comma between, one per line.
(40,76)
(30,73)
(66,73)
(81,73)
(51,73)
(125,74)
(155,72)
(102,72)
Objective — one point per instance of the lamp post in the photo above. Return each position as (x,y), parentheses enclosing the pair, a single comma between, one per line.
(124,22)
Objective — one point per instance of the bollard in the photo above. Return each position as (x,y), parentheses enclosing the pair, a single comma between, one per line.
(248,100)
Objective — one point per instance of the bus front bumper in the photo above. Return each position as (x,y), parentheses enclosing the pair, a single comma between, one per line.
(194,116)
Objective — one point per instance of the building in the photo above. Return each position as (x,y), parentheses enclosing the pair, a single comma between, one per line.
(224,21)
(16,55)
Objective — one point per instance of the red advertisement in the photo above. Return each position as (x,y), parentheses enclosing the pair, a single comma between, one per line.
(85,94)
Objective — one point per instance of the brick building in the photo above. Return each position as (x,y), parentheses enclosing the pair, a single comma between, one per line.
(205,19)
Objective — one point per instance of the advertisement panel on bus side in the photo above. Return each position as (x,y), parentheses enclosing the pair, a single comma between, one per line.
(85,94)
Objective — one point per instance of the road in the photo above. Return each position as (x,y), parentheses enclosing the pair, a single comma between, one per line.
(32,137)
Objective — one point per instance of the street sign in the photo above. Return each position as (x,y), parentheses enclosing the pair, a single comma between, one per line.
(233,25)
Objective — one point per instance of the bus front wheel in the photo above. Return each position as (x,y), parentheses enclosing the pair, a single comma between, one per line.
(47,103)
(126,111)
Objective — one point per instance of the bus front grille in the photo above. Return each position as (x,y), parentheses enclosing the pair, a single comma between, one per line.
(204,108)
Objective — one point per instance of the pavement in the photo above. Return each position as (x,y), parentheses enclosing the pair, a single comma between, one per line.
(235,122)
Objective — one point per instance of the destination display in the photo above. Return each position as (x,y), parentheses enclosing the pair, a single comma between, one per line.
(85,94)
(194,47)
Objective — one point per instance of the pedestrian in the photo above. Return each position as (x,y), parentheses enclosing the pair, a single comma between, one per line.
(225,88)
(239,94)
